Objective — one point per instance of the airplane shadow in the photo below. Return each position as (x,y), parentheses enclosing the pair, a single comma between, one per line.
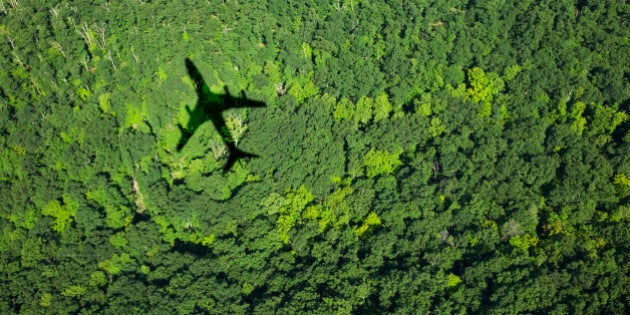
(209,107)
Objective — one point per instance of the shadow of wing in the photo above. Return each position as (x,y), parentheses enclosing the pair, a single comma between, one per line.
(239,102)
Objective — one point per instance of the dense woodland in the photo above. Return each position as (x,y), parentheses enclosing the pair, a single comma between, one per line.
(423,156)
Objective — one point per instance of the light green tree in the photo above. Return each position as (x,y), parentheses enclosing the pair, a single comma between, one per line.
(382,107)
(363,113)
(378,162)
(483,88)
(236,126)
(63,214)
(116,263)
(344,109)
(302,87)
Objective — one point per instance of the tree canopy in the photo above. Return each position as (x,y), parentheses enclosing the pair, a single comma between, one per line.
(414,157)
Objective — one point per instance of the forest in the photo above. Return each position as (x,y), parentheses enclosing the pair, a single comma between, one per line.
(414,157)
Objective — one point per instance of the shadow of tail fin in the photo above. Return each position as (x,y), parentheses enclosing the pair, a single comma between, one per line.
(235,155)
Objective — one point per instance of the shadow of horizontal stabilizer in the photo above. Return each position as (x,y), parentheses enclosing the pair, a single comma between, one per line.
(236,155)
(210,107)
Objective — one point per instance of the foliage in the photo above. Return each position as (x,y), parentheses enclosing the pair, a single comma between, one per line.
(413,157)
(378,162)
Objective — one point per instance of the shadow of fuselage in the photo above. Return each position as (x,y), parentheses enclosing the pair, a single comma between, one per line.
(210,106)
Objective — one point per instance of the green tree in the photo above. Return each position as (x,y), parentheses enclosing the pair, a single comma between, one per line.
(382,107)
(363,113)
(63,214)
(378,162)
